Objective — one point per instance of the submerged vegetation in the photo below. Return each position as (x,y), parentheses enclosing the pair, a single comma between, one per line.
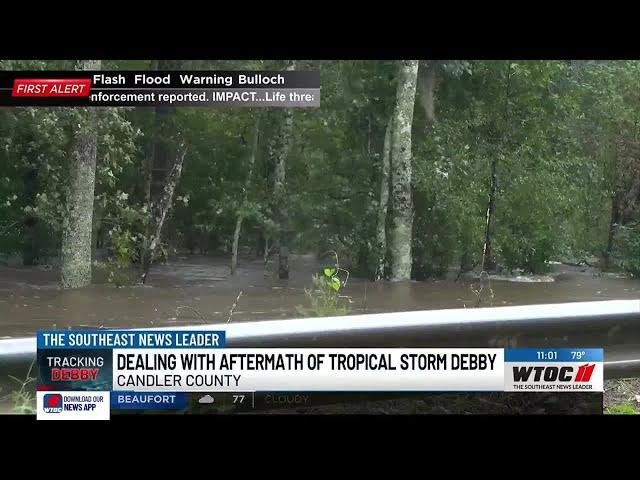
(324,296)
(23,400)
(324,300)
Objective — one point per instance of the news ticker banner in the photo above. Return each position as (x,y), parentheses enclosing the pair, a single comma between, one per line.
(295,88)
(155,369)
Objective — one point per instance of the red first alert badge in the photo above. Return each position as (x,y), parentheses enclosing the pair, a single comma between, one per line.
(50,87)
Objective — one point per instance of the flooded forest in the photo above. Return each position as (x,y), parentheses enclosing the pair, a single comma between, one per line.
(415,185)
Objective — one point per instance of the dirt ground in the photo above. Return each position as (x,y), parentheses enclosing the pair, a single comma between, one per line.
(625,391)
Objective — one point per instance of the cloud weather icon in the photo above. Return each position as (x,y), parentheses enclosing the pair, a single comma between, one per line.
(206,399)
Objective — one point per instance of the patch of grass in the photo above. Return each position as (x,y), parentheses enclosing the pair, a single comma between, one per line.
(624,409)
(23,400)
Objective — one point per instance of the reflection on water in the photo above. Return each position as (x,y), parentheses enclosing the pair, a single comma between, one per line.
(195,290)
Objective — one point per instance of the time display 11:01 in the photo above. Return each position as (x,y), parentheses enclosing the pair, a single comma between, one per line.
(548,355)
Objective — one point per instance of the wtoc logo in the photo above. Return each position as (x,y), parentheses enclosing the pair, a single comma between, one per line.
(52,403)
(554,377)
(553,373)
(554,370)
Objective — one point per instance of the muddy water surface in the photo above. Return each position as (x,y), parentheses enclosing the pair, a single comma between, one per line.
(192,290)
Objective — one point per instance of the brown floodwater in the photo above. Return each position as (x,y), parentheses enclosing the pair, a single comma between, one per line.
(196,289)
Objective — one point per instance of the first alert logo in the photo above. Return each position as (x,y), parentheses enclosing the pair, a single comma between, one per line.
(51,87)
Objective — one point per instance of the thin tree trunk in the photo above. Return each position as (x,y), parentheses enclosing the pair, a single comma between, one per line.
(149,159)
(488,256)
(427,85)
(631,198)
(234,246)
(280,152)
(614,222)
(401,229)
(161,210)
(98,213)
(488,259)
(77,223)
(265,255)
(159,166)
(247,185)
(381,234)
(31,244)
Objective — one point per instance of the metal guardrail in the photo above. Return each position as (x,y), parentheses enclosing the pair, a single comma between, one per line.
(613,325)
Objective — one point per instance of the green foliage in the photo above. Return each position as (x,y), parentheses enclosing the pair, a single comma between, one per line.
(23,400)
(124,237)
(625,409)
(125,248)
(627,248)
(323,297)
(563,136)
(527,240)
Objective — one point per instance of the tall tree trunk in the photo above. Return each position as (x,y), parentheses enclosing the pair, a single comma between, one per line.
(381,234)
(31,244)
(488,258)
(401,168)
(247,185)
(161,162)
(614,222)
(98,213)
(151,153)
(77,223)
(631,198)
(161,209)
(280,152)
(427,86)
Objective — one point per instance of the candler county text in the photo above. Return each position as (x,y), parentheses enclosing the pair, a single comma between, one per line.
(174,380)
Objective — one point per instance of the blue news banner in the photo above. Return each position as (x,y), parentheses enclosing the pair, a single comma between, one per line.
(81,360)
(71,361)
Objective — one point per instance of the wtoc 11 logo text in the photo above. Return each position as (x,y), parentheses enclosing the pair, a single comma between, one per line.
(549,370)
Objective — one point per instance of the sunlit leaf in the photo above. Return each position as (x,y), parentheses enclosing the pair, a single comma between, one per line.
(329,272)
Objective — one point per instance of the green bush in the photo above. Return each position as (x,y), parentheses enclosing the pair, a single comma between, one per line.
(627,251)
(324,298)
(124,252)
(622,410)
(528,252)
(435,235)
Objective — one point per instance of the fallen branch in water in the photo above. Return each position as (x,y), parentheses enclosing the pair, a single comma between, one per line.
(484,276)
(233,307)
(364,301)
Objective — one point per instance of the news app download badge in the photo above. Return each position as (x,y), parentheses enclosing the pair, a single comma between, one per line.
(73,405)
